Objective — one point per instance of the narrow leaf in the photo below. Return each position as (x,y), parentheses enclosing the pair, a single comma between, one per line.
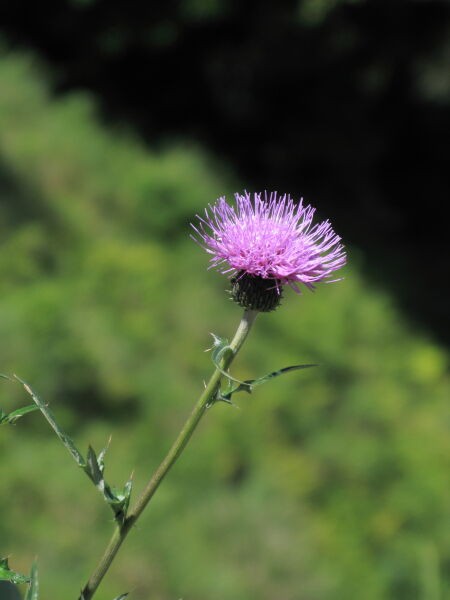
(249,384)
(101,456)
(122,596)
(33,590)
(12,417)
(92,468)
(65,439)
(265,378)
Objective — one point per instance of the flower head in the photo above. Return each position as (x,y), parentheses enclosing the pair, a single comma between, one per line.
(270,237)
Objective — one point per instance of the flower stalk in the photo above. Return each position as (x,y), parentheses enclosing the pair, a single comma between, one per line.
(207,398)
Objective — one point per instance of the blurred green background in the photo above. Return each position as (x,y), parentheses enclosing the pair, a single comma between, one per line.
(328,484)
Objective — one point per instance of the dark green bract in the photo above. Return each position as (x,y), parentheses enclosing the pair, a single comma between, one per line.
(256,293)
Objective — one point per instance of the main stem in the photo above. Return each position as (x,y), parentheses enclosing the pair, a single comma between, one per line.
(206,399)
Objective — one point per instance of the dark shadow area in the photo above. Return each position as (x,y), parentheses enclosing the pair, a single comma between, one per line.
(21,205)
(9,591)
(32,261)
(349,107)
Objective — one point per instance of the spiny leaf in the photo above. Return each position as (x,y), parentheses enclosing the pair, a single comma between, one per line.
(93,466)
(219,351)
(6,574)
(249,384)
(33,590)
(273,374)
(118,500)
(220,345)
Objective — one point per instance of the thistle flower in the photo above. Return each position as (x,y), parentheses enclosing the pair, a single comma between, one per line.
(267,243)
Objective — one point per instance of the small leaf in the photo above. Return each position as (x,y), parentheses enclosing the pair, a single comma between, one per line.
(118,500)
(93,470)
(219,351)
(101,456)
(122,596)
(6,574)
(33,590)
(12,417)
(125,497)
(220,345)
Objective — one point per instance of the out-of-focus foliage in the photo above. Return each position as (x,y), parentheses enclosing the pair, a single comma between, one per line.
(328,484)
(343,100)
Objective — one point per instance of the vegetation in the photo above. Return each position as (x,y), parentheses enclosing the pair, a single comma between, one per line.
(327,484)
(343,101)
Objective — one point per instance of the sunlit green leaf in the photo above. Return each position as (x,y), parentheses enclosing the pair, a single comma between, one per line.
(6,574)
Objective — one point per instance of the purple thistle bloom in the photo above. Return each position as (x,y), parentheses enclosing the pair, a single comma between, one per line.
(270,238)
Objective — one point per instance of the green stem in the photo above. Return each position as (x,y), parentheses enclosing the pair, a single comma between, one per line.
(205,400)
